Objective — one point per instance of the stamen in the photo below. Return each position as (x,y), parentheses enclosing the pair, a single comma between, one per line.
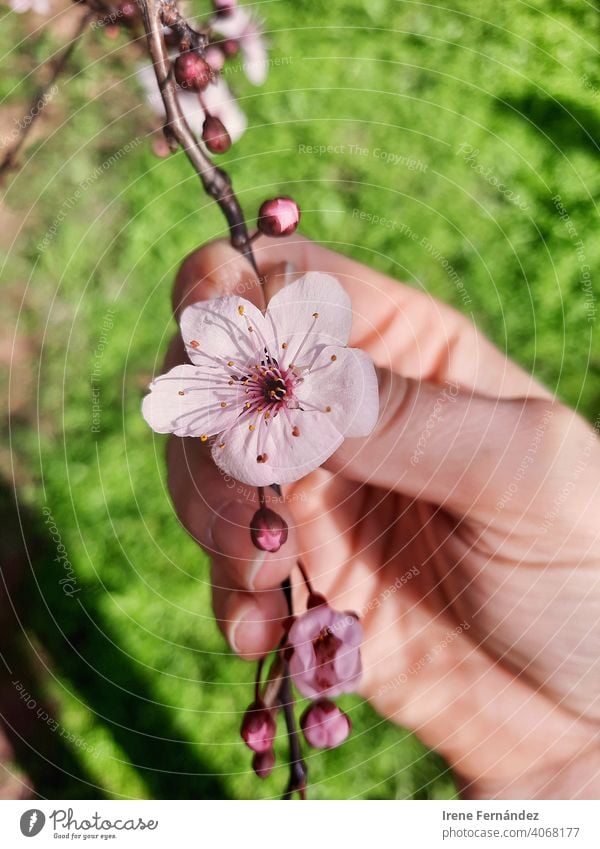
(315,316)
(250,427)
(241,309)
(223,404)
(194,344)
(203,437)
(295,431)
(181,392)
(333,358)
(262,458)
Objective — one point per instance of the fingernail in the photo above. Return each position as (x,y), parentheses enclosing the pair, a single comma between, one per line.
(246,634)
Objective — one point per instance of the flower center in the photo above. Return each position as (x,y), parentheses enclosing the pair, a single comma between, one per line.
(274,389)
(270,387)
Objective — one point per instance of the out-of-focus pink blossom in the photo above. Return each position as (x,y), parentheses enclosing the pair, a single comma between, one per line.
(324,725)
(215,57)
(218,99)
(242,27)
(326,652)
(40,7)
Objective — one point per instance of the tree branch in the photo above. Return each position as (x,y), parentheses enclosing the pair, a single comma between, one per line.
(215,181)
(39,99)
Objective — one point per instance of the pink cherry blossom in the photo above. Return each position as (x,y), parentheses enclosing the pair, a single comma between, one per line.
(326,652)
(279,391)
(240,25)
(324,725)
(40,7)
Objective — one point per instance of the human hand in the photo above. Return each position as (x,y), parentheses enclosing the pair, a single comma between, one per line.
(463,531)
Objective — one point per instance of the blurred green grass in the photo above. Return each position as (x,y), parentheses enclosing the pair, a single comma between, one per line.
(135,666)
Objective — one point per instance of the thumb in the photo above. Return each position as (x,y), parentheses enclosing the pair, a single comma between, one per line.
(459,449)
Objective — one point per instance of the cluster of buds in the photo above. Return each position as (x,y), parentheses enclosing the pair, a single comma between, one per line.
(258,733)
(320,654)
(324,648)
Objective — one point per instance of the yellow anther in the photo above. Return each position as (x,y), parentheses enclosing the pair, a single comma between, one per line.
(241,309)
(203,438)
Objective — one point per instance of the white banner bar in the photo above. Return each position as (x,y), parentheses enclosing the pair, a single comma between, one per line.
(302,825)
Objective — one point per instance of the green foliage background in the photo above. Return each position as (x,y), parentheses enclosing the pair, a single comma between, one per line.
(145,691)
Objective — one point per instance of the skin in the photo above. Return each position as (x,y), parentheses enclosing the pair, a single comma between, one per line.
(464,531)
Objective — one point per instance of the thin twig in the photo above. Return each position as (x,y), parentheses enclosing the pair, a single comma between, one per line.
(39,100)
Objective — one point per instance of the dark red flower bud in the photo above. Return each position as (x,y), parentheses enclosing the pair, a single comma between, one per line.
(258,728)
(324,725)
(214,135)
(268,530)
(128,11)
(231,47)
(278,217)
(263,763)
(192,72)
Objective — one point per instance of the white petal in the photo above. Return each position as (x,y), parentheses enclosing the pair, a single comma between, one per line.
(221,103)
(288,457)
(291,313)
(343,380)
(187,401)
(215,332)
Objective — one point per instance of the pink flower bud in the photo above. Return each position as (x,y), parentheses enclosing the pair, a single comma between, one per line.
(127,11)
(263,763)
(192,72)
(231,47)
(214,135)
(268,530)
(324,725)
(258,728)
(278,217)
